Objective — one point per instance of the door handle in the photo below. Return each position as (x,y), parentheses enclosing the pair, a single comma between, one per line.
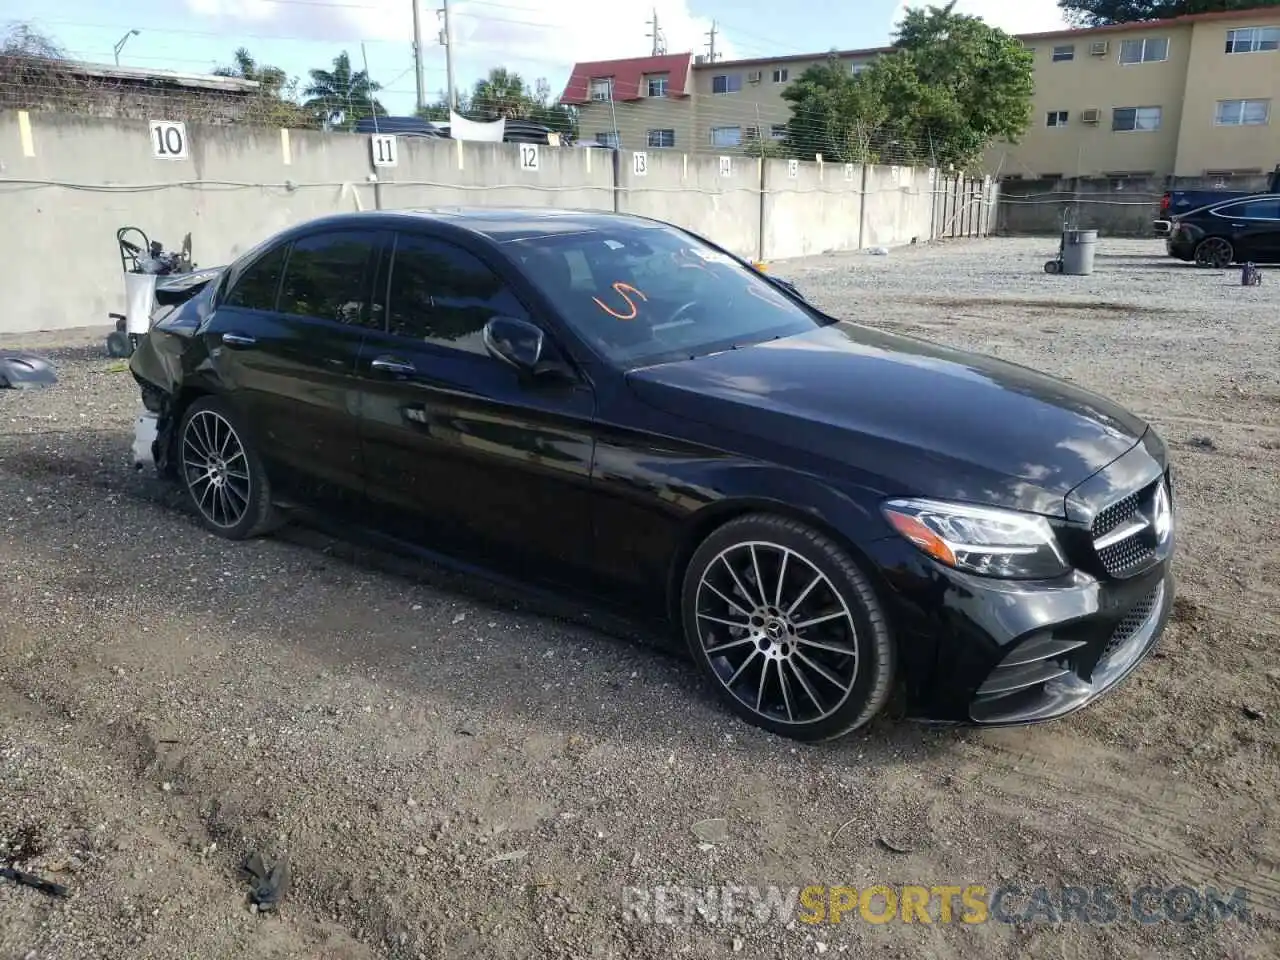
(238,340)
(393,366)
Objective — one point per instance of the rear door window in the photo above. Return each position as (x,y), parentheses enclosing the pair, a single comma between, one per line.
(328,276)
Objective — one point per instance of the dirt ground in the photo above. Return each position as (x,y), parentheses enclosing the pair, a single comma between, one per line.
(454,772)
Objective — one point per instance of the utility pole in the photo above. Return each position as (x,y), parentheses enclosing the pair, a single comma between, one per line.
(417,56)
(446,38)
(711,43)
(659,43)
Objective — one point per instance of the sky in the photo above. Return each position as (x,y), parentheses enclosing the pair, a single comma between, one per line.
(536,38)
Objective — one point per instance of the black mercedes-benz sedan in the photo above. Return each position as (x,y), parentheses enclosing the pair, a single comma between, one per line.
(614,406)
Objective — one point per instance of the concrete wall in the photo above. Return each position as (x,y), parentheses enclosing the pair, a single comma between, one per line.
(897,206)
(452,173)
(68,183)
(695,192)
(811,207)
(1115,207)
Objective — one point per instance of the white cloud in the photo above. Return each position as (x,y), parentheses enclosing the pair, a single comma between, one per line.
(1012,16)
(552,32)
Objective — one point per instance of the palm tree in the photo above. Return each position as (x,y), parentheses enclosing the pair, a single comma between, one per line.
(341,96)
(245,67)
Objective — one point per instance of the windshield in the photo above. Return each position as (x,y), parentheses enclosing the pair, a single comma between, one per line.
(647,294)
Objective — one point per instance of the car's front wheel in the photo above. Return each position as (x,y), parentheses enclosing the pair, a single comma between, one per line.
(788,628)
(222,473)
(1214,252)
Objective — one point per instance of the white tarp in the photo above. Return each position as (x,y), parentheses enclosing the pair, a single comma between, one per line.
(460,128)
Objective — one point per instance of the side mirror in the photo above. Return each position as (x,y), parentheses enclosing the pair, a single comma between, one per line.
(516,342)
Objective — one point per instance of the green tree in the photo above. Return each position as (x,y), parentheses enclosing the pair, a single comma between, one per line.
(501,95)
(1101,13)
(276,100)
(341,96)
(951,85)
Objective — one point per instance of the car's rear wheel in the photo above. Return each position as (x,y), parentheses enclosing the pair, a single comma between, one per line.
(222,473)
(788,628)
(1214,252)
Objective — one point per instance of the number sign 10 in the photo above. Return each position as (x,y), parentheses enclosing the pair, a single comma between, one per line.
(168,139)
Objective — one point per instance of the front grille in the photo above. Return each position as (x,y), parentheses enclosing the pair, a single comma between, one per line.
(1132,622)
(1124,534)
(1114,515)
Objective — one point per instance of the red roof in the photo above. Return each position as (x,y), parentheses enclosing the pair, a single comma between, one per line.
(628,77)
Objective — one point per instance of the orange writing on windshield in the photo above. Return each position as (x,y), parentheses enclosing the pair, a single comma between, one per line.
(622,290)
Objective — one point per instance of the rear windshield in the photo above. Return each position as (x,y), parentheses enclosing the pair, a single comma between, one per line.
(644,295)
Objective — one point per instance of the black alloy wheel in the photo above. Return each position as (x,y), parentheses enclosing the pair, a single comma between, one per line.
(1214,252)
(223,475)
(788,628)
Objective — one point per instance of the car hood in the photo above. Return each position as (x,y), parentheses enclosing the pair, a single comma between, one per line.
(927,419)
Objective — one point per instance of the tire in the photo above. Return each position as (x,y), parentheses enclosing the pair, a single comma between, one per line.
(229,490)
(1053,267)
(1214,252)
(849,640)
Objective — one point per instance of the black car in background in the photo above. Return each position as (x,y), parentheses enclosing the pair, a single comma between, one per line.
(618,408)
(1240,230)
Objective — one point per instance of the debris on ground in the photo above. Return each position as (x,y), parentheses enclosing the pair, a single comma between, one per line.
(267,887)
(22,878)
(715,830)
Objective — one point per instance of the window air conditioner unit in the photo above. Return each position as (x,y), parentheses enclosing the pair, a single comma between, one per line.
(700,58)
(1098,48)
(1092,115)
(753,76)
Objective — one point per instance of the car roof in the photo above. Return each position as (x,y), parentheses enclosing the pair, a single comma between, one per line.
(1241,199)
(499,224)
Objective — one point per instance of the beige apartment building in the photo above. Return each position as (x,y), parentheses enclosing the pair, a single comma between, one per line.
(1191,96)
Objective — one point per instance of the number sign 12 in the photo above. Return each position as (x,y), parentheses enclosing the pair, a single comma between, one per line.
(168,139)
(383,147)
(528,156)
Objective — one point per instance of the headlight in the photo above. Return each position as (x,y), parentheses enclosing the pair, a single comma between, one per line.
(982,540)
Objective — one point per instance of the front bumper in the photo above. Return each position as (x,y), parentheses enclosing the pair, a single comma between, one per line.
(983,652)
(978,650)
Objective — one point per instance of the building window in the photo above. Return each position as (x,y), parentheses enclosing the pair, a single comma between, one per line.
(1061,54)
(726,136)
(1149,50)
(726,83)
(780,75)
(1136,118)
(656,86)
(662,138)
(608,139)
(1242,113)
(778,131)
(602,88)
(857,68)
(1056,118)
(1253,39)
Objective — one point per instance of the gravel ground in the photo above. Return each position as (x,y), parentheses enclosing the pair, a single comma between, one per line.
(453,772)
